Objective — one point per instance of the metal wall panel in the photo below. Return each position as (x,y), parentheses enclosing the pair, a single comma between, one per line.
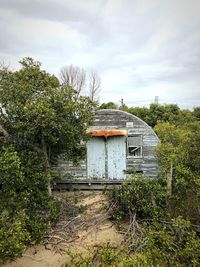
(116,157)
(96,158)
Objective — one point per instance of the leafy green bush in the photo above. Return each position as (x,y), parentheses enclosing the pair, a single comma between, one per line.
(159,238)
(26,209)
(41,119)
(172,243)
(13,235)
(99,255)
(178,156)
(11,171)
(142,196)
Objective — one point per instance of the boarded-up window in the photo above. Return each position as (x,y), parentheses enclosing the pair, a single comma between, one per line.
(134,144)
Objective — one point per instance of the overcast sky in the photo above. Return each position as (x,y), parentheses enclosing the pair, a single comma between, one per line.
(140,48)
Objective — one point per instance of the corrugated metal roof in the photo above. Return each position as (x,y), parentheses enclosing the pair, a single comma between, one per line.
(107,132)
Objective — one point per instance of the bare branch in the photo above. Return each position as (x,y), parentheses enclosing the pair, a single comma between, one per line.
(74,77)
(4,66)
(94,85)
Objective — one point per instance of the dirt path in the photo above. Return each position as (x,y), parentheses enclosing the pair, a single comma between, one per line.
(92,227)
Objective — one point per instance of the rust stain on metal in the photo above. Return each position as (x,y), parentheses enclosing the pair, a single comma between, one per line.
(107,132)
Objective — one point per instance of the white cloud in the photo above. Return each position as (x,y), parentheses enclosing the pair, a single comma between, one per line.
(140,48)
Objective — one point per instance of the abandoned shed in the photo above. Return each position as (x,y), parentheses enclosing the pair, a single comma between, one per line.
(120,145)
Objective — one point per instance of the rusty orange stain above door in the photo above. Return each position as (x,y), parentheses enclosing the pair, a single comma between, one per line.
(107,132)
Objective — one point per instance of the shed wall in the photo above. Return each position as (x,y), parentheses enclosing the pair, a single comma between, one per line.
(116,119)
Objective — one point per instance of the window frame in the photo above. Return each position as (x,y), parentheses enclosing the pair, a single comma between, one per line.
(139,147)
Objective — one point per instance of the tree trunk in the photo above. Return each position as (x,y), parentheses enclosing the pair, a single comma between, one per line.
(45,152)
(169,179)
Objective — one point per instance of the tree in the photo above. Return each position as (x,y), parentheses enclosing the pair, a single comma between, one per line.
(39,119)
(109,105)
(162,113)
(94,86)
(84,83)
(196,113)
(74,77)
(37,112)
(178,156)
(141,112)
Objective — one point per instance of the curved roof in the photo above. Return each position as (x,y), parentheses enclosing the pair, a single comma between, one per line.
(128,116)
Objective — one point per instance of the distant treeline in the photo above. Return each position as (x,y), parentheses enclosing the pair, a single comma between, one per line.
(159,113)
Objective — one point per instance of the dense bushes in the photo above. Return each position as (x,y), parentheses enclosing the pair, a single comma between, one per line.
(164,113)
(13,235)
(172,243)
(171,246)
(155,237)
(39,119)
(26,209)
(164,212)
(178,154)
(141,196)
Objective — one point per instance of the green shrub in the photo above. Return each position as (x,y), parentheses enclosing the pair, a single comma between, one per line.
(145,197)
(159,238)
(101,255)
(13,235)
(39,120)
(165,244)
(26,209)
(172,243)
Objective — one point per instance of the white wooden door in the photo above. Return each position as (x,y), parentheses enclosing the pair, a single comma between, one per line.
(96,158)
(116,157)
(106,158)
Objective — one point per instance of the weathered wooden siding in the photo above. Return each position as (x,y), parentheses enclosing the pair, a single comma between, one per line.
(116,119)
(66,170)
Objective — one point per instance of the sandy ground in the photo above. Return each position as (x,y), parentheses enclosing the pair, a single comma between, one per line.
(102,232)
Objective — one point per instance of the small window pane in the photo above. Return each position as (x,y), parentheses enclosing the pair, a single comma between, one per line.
(135,146)
(135,140)
(135,151)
